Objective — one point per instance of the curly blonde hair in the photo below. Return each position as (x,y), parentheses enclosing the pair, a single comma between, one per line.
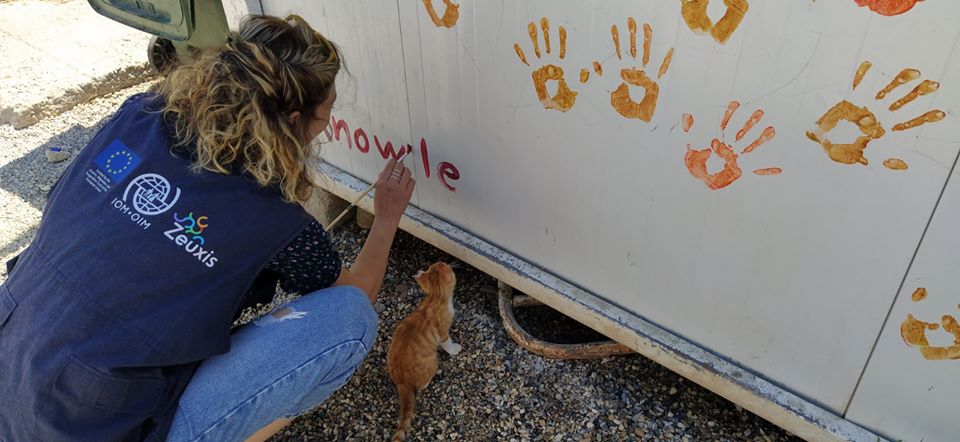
(231,107)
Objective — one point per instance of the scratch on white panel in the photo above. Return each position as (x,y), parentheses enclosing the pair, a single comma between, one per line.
(945,165)
(476,68)
(499,29)
(795,77)
(946,67)
(736,71)
(467,51)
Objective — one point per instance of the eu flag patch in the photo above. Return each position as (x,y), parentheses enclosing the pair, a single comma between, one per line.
(117,161)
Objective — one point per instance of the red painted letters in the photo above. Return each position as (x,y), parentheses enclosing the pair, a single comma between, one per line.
(365,147)
(447,173)
(388,151)
(341,125)
(426,157)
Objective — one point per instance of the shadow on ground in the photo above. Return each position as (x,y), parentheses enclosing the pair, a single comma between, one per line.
(31,176)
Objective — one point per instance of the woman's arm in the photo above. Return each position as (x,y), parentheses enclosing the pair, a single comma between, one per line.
(371,264)
(392,193)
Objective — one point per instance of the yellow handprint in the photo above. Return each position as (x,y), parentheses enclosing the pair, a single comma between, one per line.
(450,15)
(620,98)
(694,13)
(866,121)
(914,333)
(564,98)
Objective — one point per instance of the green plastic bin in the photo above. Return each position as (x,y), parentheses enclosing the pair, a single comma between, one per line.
(180,27)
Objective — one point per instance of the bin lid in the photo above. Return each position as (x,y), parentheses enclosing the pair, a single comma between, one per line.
(172,19)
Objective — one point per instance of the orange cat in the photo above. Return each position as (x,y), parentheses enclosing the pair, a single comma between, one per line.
(412,357)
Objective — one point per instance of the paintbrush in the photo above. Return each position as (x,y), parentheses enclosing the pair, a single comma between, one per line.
(336,220)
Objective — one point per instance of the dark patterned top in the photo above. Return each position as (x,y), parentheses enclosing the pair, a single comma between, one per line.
(310,262)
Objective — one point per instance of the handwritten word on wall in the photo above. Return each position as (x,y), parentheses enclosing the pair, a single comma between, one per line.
(446,173)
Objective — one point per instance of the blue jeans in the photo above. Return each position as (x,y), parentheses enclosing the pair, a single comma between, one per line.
(279,366)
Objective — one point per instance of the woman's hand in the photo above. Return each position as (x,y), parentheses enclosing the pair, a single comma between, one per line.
(393,190)
(394,187)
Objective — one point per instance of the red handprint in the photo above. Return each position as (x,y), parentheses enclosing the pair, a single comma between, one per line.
(696,160)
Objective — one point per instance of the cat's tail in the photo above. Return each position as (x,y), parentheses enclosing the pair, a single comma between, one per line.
(408,402)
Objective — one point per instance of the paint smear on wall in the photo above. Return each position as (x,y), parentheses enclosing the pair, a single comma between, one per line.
(620,98)
(929,117)
(694,14)
(687,122)
(919,294)
(861,71)
(696,160)
(895,164)
(450,15)
(565,98)
(888,7)
(914,333)
(769,171)
(866,120)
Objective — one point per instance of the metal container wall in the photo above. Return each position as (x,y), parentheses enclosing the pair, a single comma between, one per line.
(728,172)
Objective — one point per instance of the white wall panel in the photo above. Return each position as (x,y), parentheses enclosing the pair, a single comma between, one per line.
(789,275)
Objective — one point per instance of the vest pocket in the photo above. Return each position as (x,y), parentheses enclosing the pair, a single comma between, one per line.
(7,305)
(127,394)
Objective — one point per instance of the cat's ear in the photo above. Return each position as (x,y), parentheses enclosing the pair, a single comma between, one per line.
(418,275)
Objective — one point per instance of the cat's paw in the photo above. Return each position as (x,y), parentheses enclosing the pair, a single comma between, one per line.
(452,348)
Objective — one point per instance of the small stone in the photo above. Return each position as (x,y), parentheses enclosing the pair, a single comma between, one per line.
(44,187)
(673,391)
(364,219)
(56,154)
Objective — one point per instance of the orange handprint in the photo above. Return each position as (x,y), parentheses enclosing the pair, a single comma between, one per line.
(888,7)
(866,121)
(914,333)
(696,160)
(565,98)
(620,98)
(694,13)
(450,15)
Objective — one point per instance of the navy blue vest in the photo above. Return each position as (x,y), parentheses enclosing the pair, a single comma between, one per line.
(136,270)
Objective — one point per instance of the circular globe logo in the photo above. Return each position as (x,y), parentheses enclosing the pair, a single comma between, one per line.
(150,194)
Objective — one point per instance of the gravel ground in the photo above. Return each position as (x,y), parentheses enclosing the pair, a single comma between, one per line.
(493,390)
